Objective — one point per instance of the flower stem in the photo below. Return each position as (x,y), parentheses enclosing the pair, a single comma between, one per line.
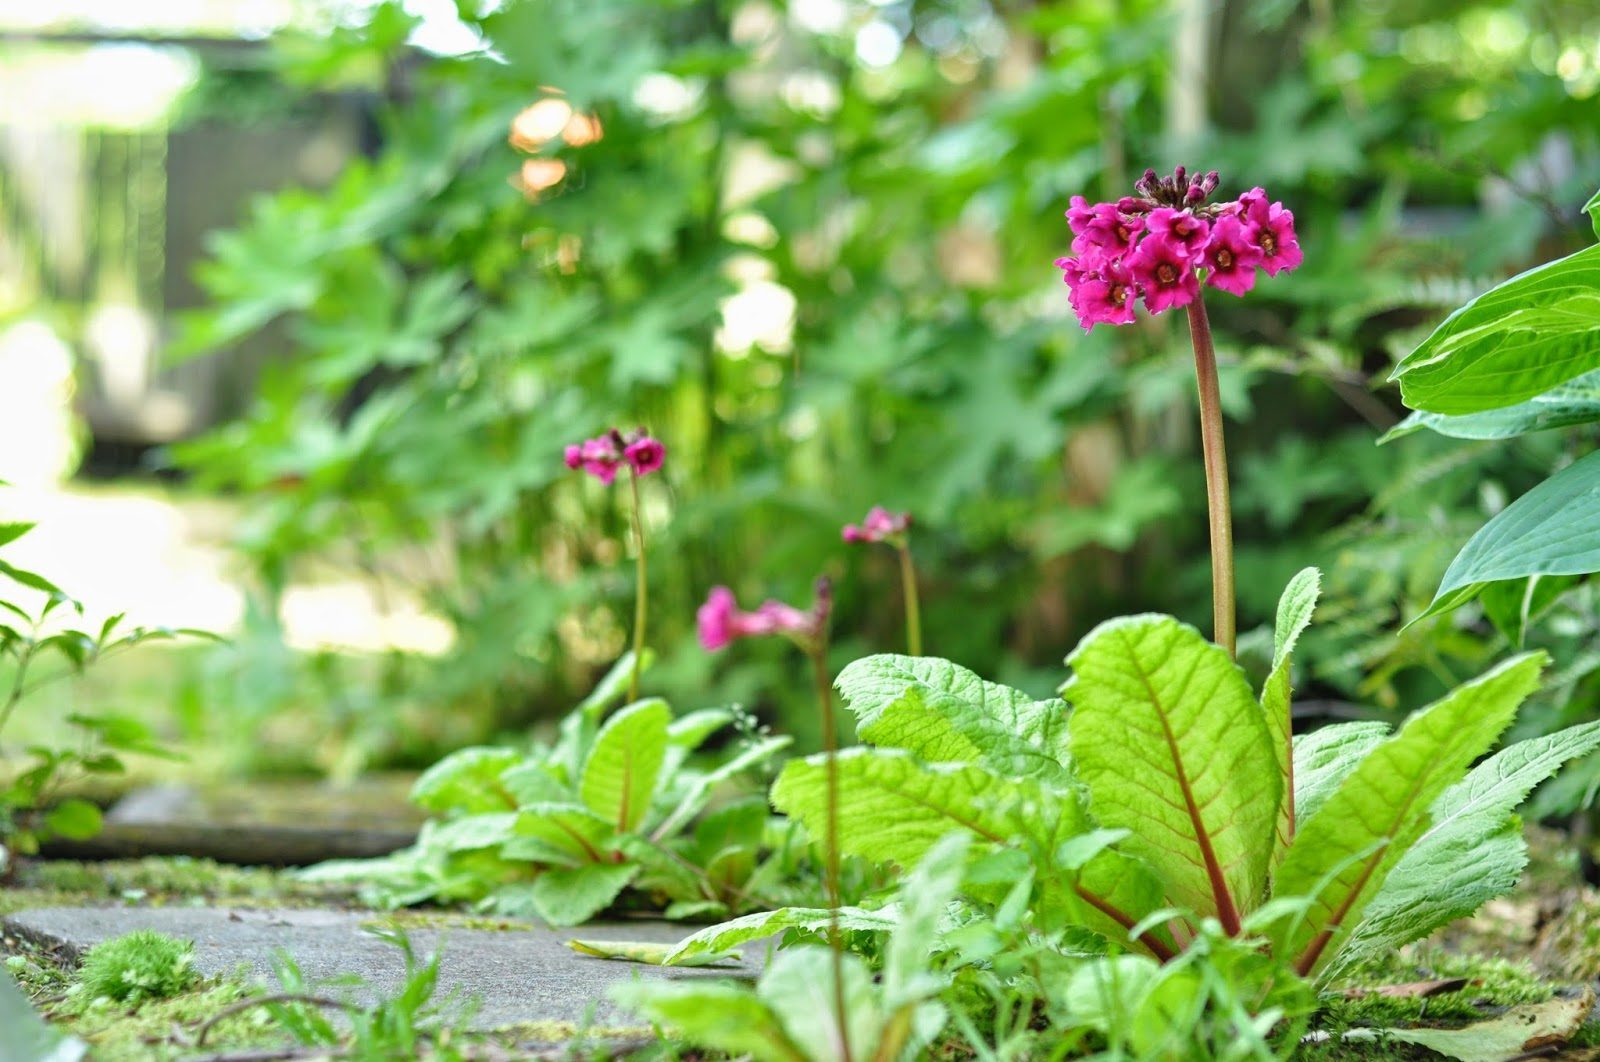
(830,744)
(1216,459)
(641,597)
(908,586)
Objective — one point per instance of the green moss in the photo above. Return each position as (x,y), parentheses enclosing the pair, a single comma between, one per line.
(137,966)
(159,1029)
(410,920)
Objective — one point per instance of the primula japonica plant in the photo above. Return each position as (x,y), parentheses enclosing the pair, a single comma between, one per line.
(602,457)
(1157,246)
(894,529)
(1163,804)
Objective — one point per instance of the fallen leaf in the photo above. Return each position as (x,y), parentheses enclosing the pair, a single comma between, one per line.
(1411,989)
(1530,1027)
(647,953)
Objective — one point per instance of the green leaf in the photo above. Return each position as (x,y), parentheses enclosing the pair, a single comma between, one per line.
(1513,604)
(29,579)
(1517,340)
(1169,740)
(467,780)
(567,896)
(647,953)
(1324,758)
(76,820)
(1554,529)
(577,729)
(624,767)
(927,892)
(894,808)
(943,713)
(569,831)
(717,1015)
(729,935)
(1294,615)
(693,799)
(1575,402)
(798,986)
(1592,208)
(1473,851)
(1344,853)
(11,530)
(28,1035)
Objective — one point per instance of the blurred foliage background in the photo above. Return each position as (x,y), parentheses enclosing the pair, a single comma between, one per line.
(809,245)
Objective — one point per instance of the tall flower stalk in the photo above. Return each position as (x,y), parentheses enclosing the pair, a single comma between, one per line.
(894,529)
(1158,246)
(603,457)
(721,621)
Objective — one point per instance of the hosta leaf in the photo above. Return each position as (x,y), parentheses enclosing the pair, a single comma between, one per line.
(944,713)
(1513,342)
(1169,740)
(893,807)
(1325,757)
(718,1015)
(467,780)
(1473,851)
(1343,854)
(731,934)
(1575,402)
(1294,615)
(1554,529)
(624,767)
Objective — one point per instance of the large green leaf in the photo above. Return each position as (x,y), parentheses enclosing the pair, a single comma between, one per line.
(691,799)
(624,767)
(944,713)
(798,986)
(1575,402)
(1472,852)
(1324,758)
(1513,342)
(566,896)
(1173,747)
(894,808)
(1343,854)
(1294,615)
(1554,529)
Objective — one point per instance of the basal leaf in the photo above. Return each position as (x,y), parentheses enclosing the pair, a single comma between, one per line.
(944,713)
(566,896)
(572,830)
(719,1015)
(1517,340)
(729,935)
(1554,529)
(894,808)
(1169,740)
(1294,615)
(467,780)
(1343,854)
(1325,757)
(1473,851)
(692,799)
(1575,402)
(624,767)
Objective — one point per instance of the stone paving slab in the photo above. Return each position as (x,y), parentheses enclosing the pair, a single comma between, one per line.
(519,975)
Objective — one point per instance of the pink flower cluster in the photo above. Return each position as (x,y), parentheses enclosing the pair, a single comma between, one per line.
(880,525)
(1155,245)
(721,620)
(604,455)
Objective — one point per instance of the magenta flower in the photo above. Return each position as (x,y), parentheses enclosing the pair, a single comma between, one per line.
(645,455)
(604,455)
(880,525)
(1181,227)
(1164,271)
(1273,229)
(1231,256)
(721,621)
(1156,246)
(1105,298)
